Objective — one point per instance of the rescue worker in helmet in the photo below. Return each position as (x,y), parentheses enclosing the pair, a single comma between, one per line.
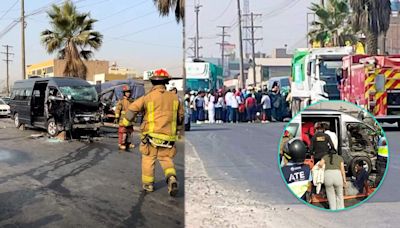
(296,173)
(163,113)
(381,161)
(124,130)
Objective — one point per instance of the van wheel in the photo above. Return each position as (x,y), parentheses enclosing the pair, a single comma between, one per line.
(52,129)
(367,164)
(16,121)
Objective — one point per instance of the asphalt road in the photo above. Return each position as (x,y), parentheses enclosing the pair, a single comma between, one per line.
(244,157)
(46,183)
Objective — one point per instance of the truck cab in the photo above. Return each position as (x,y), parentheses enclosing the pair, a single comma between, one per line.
(316,75)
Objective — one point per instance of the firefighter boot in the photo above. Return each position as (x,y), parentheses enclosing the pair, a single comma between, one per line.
(148,187)
(172,186)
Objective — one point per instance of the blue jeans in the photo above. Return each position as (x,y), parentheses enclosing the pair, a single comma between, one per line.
(228,113)
(200,113)
(194,116)
(218,113)
(233,115)
(251,113)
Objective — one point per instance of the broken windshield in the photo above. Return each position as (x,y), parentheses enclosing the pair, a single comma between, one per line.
(80,93)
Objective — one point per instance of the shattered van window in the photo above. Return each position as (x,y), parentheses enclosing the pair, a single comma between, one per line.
(80,93)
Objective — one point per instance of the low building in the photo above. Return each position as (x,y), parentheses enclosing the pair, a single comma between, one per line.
(279,64)
(98,71)
(55,67)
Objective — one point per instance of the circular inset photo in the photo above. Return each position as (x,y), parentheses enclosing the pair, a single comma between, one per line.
(333,155)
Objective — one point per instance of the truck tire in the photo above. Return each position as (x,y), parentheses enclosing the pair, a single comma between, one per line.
(17,123)
(51,127)
(367,164)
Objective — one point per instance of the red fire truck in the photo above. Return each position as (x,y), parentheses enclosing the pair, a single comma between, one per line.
(373,82)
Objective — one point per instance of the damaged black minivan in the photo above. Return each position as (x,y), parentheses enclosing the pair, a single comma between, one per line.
(56,104)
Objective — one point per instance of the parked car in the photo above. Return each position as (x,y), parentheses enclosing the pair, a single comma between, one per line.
(56,104)
(4,108)
(6,100)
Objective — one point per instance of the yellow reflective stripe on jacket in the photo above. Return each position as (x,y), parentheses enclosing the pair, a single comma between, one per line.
(383,151)
(174,117)
(299,187)
(150,116)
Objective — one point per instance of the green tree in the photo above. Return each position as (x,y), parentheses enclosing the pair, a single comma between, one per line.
(332,25)
(72,36)
(371,17)
(166,6)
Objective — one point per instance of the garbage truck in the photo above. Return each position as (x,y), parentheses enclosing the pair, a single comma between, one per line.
(316,75)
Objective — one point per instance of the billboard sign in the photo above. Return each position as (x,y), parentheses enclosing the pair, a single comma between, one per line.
(197,70)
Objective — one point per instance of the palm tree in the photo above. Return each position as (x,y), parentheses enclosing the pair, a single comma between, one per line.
(164,7)
(371,17)
(331,25)
(72,36)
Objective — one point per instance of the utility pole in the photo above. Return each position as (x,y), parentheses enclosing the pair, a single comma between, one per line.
(246,10)
(23,39)
(197,10)
(222,44)
(253,42)
(243,79)
(193,47)
(7,60)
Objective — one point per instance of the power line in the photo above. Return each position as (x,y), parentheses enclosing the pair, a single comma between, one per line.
(130,20)
(125,9)
(143,30)
(15,3)
(223,12)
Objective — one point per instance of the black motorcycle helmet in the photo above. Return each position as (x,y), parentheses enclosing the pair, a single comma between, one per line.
(295,150)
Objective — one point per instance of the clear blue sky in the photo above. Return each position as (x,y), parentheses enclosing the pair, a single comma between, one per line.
(283,21)
(149,41)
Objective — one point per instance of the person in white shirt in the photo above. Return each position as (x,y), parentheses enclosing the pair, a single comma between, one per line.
(228,100)
(331,134)
(266,105)
(219,107)
(206,101)
(234,108)
(211,108)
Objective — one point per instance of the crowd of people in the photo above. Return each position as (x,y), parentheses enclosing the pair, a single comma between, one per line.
(233,106)
(328,170)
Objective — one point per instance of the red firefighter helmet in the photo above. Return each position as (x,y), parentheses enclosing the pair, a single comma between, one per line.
(160,74)
(125,88)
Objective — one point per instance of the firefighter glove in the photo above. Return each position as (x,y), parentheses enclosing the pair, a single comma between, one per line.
(125,122)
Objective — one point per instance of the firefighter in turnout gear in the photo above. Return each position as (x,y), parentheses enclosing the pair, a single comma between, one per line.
(381,161)
(163,113)
(124,130)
